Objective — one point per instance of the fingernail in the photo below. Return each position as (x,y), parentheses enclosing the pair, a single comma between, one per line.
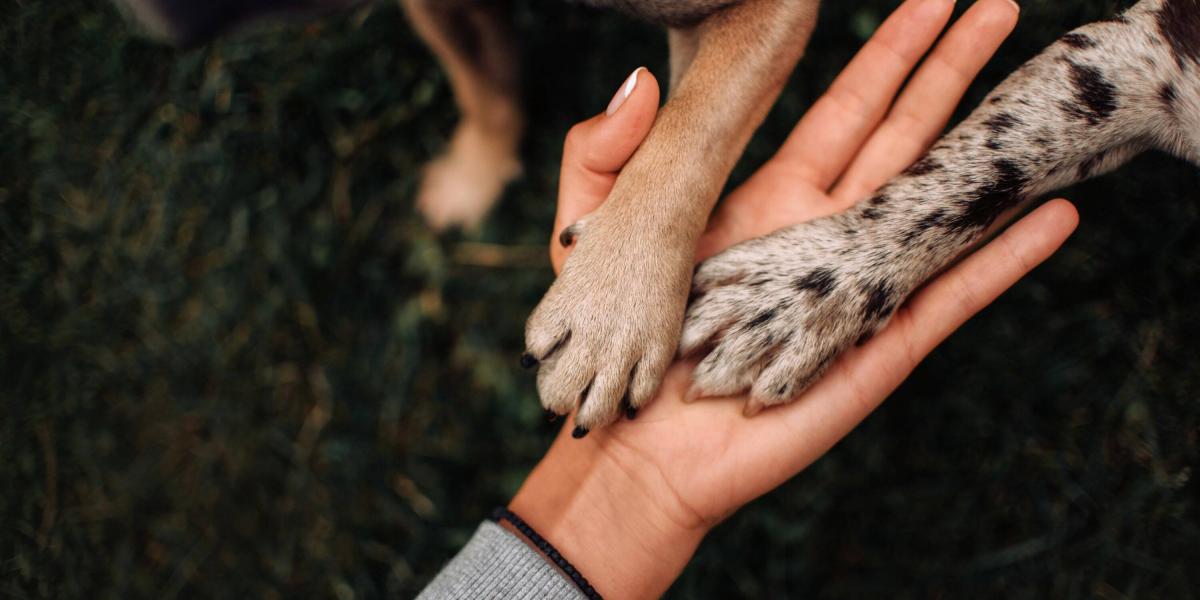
(1015,5)
(579,432)
(623,93)
(528,361)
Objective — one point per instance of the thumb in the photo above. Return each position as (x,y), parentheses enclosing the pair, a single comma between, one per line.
(597,149)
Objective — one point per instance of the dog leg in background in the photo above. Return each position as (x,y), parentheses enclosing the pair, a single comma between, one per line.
(609,326)
(475,45)
(776,311)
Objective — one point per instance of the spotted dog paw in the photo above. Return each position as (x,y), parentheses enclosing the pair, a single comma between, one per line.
(773,313)
(604,335)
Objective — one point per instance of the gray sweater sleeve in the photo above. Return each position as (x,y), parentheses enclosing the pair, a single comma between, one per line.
(497,564)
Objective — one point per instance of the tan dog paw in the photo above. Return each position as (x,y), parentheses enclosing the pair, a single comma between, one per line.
(607,330)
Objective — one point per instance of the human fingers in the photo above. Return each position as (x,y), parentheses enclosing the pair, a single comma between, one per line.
(790,188)
(831,132)
(928,101)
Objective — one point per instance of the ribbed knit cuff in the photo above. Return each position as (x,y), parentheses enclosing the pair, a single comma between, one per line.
(498,564)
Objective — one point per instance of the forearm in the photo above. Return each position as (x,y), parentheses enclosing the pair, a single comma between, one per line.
(612,521)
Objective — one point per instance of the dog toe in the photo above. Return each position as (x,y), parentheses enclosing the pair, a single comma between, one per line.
(708,316)
(563,380)
(601,405)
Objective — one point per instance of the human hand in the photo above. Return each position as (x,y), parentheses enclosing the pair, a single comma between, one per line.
(629,504)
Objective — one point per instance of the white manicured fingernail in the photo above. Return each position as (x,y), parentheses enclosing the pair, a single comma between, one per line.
(624,92)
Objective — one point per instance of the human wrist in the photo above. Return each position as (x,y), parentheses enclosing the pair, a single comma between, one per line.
(619,526)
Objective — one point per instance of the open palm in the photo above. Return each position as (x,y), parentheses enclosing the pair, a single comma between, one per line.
(699,462)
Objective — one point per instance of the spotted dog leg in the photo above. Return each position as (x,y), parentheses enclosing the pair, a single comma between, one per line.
(774,312)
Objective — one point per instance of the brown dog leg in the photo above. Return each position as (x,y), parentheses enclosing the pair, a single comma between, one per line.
(475,46)
(609,327)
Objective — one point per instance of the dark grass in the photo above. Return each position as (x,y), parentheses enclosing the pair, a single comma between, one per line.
(235,364)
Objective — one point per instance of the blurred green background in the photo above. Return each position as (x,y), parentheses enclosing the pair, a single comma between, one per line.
(236,364)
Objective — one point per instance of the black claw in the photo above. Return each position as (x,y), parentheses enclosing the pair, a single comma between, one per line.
(528,361)
(630,411)
(579,432)
(567,237)
(551,415)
